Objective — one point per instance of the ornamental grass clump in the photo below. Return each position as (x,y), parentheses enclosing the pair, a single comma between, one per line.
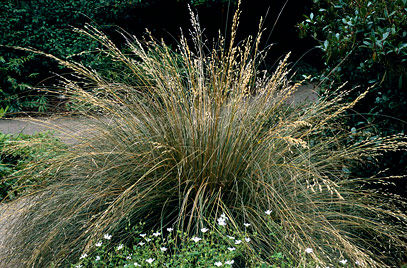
(201,133)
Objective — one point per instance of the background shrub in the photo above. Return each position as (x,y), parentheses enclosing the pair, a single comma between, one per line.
(364,43)
(370,38)
(46,25)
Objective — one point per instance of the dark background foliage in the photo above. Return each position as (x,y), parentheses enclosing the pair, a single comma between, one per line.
(48,25)
(364,43)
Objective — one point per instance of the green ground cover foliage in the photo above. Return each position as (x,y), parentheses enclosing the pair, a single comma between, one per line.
(213,247)
(19,152)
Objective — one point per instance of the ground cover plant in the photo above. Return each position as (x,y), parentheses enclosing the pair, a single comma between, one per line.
(19,152)
(203,134)
(213,247)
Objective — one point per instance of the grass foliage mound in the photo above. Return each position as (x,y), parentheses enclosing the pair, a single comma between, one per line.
(201,131)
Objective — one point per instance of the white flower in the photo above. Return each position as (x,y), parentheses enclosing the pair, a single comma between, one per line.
(136,264)
(268,212)
(143,235)
(148,239)
(232,249)
(196,239)
(204,230)
(78,266)
(98,244)
(83,256)
(246,224)
(230,262)
(237,242)
(141,243)
(231,237)
(357,262)
(107,236)
(156,234)
(309,250)
(163,249)
(222,219)
(120,247)
(128,257)
(218,264)
(247,239)
(97,258)
(170,229)
(343,261)
(222,222)
(150,260)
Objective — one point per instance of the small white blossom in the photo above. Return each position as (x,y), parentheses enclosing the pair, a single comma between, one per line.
(204,230)
(143,235)
(120,247)
(247,239)
(156,234)
(128,257)
(136,264)
(170,229)
(343,261)
(141,243)
(231,237)
(230,262)
(357,262)
(309,250)
(150,260)
(232,249)
(163,249)
(78,266)
(221,222)
(97,258)
(83,256)
(107,236)
(98,244)
(196,239)
(268,212)
(218,264)
(237,242)
(148,239)
(246,224)
(222,219)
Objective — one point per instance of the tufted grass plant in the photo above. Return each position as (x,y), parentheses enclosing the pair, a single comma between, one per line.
(203,131)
